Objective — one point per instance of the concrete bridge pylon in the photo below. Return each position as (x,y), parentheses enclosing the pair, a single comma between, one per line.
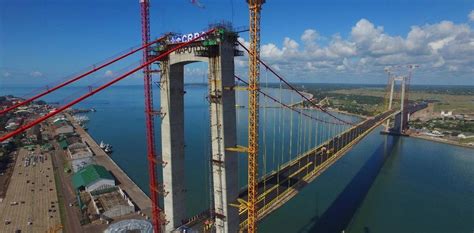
(218,50)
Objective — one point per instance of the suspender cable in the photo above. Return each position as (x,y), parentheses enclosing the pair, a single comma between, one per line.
(280,102)
(280,132)
(264,139)
(291,135)
(293,88)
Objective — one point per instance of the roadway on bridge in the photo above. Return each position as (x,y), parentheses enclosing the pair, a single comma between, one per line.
(274,188)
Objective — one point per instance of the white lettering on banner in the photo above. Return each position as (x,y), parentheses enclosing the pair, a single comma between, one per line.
(186,37)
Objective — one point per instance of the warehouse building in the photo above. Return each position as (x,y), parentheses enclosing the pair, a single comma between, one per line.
(111,203)
(93,178)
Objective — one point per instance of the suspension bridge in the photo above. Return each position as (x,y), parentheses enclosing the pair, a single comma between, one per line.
(233,208)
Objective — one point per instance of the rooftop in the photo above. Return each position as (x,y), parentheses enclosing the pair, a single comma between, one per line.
(78,150)
(109,200)
(89,175)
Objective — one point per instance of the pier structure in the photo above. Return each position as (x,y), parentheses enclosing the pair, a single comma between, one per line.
(218,50)
(401,118)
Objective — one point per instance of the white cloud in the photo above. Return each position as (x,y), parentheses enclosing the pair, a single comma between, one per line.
(309,37)
(6,74)
(471,16)
(36,74)
(270,51)
(439,48)
(109,73)
(364,32)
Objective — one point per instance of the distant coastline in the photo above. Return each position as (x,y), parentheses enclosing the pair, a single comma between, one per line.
(433,139)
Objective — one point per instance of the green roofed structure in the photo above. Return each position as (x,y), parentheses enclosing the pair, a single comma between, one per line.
(93,177)
(63,144)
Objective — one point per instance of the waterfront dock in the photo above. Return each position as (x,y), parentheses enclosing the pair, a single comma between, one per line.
(141,200)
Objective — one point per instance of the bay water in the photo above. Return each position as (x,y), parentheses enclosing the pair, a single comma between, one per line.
(383,184)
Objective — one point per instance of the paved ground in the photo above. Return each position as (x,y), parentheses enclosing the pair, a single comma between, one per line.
(31,196)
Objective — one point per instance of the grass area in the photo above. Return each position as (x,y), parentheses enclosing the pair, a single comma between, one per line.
(67,165)
(372,99)
(458,103)
(61,203)
(467,140)
(455,126)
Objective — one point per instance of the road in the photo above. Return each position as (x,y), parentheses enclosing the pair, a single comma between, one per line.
(66,193)
(31,202)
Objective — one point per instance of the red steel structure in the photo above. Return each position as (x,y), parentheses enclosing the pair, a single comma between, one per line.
(79,77)
(149,118)
(157,220)
(95,91)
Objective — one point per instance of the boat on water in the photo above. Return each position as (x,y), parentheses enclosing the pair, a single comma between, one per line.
(108,149)
(102,145)
(81,118)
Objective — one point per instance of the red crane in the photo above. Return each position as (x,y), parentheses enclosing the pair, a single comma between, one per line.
(149,117)
(23,128)
(76,78)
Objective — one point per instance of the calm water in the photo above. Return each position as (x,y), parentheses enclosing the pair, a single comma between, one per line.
(421,187)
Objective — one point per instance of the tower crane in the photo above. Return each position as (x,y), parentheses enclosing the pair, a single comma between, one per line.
(149,118)
(255,7)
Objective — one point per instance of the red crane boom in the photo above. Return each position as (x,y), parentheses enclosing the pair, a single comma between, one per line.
(149,118)
(79,77)
(92,92)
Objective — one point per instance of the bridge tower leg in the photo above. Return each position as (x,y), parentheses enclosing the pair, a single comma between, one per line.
(172,143)
(223,135)
(392,85)
(402,107)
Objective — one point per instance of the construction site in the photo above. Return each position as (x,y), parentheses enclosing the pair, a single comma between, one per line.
(63,180)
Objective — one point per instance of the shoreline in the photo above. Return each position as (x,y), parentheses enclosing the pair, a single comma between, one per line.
(453,143)
(136,194)
(348,113)
(311,96)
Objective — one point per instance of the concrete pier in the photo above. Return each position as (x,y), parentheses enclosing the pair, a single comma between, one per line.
(223,135)
(172,143)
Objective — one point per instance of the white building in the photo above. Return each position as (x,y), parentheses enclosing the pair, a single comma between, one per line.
(112,203)
(78,150)
(446,114)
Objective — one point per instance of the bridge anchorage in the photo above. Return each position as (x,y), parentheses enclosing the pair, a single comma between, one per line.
(218,49)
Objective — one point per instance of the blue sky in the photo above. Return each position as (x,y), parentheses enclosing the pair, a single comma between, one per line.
(344,41)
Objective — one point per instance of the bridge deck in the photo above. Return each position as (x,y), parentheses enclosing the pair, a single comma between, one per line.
(276,188)
(283,185)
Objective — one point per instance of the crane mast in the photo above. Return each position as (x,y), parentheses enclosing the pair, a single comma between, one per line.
(149,117)
(255,7)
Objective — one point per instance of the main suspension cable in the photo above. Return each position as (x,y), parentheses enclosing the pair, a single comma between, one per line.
(294,89)
(286,105)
